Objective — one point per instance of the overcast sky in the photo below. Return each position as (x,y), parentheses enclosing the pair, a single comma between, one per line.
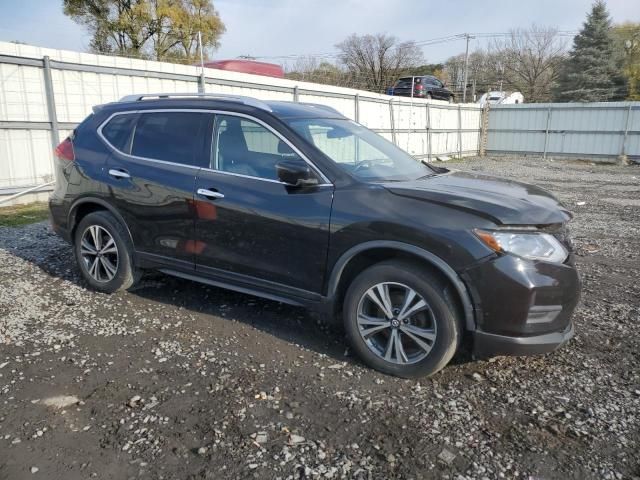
(272,28)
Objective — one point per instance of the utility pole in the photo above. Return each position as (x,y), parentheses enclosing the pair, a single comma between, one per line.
(466,67)
(201,83)
(201,52)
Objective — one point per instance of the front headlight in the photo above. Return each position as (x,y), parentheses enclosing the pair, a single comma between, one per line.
(529,245)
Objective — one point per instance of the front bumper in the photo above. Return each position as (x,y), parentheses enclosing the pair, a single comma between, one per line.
(522,307)
(486,345)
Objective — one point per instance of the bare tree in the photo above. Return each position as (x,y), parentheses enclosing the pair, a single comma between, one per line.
(530,60)
(377,60)
(454,70)
(301,68)
(484,73)
(312,69)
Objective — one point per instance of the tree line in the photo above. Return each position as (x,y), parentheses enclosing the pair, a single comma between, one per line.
(602,64)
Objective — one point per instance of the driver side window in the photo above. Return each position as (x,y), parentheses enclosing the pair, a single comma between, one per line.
(245,147)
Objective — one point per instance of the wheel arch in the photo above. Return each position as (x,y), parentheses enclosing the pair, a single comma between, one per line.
(354,256)
(86,205)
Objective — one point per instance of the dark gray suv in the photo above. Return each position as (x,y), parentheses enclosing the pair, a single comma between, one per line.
(296,203)
(424,86)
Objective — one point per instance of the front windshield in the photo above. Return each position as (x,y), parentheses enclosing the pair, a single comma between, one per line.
(360,151)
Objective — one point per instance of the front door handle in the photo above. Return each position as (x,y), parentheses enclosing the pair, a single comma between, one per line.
(210,193)
(119,173)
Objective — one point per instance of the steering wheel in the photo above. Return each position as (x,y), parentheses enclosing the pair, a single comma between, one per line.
(367,163)
(362,164)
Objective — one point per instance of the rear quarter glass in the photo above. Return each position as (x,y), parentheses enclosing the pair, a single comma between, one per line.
(118,130)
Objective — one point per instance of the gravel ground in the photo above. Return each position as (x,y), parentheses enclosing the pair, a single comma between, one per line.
(181,380)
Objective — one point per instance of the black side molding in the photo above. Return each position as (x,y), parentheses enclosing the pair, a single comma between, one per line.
(255,291)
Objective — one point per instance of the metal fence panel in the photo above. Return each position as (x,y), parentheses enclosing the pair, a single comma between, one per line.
(22,96)
(25,157)
(373,116)
(589,130)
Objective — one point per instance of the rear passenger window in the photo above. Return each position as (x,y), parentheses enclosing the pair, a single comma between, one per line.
(171,136)
(118,131)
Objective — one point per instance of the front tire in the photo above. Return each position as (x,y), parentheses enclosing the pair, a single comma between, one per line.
(104,253)
(400,320)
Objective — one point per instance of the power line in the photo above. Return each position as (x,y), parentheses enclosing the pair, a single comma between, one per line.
(435,41)
(334,54)
(428,42)
(442,40)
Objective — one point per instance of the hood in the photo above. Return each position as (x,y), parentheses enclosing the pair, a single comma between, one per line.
(502,201)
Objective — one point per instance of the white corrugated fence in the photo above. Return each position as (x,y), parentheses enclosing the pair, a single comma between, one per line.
(44,93)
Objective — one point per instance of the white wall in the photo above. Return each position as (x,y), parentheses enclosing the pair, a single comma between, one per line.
(82,80)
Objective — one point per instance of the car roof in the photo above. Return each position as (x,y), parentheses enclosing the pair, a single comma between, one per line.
(416,76)
(280,109)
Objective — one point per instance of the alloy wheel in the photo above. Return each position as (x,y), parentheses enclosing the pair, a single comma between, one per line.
(396,323)
(99,252)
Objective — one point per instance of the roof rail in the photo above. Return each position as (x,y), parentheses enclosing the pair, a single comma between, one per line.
(253,102)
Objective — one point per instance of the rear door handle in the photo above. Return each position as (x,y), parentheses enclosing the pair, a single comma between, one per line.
(210,193)
(119,173)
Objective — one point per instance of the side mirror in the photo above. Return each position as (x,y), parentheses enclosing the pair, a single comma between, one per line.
(295,173)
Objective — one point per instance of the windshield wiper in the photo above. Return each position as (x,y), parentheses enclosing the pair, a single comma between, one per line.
(434,174)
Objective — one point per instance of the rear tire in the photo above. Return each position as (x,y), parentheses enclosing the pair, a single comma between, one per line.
(429,96)
(422,342)
(104,253)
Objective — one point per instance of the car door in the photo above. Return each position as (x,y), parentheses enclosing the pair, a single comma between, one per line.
(431,87)
(152,176)
(440,92)
(252,228)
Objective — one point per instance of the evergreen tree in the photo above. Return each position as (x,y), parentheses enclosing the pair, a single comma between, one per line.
(593,70)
